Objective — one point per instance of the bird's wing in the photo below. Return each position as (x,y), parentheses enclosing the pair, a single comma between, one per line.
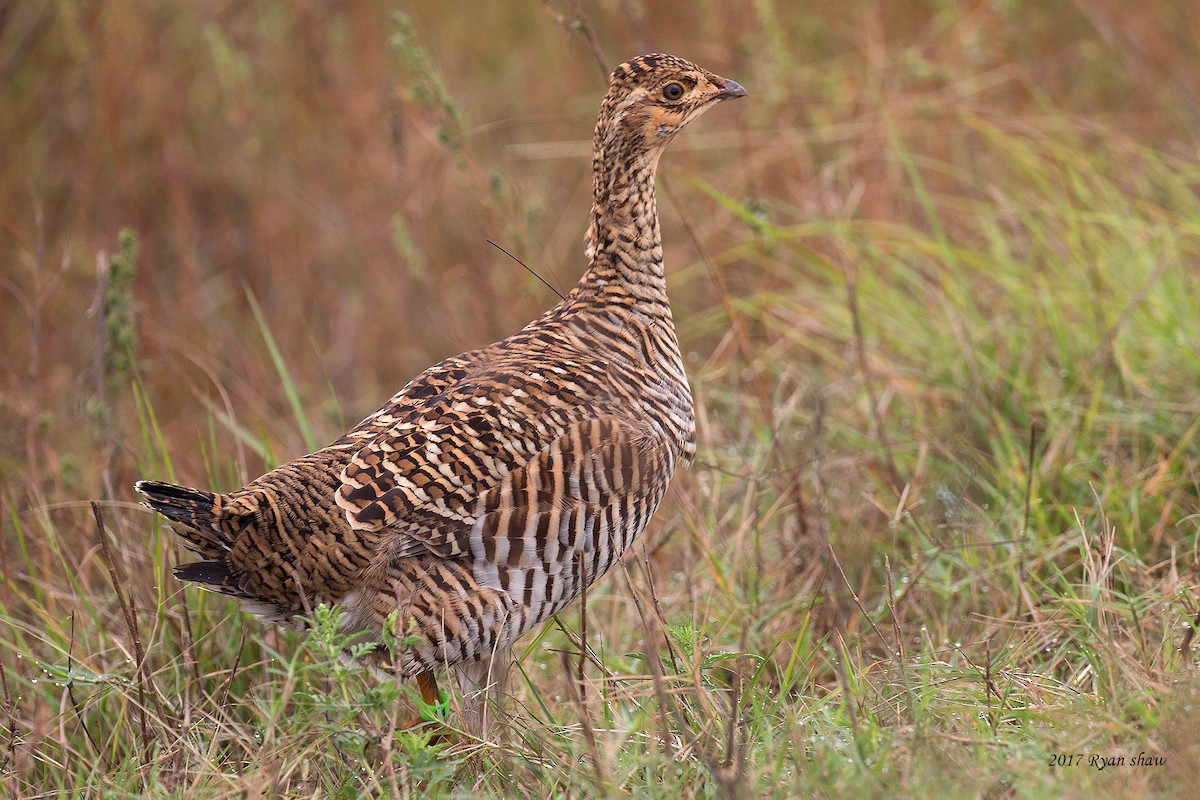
(564,516)
(425,476)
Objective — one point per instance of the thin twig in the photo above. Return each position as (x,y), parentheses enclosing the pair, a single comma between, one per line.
(658,612)
(891,591)
(10,747)
(527,268)
(666,701)
(237,660)
(857,602)
(583,598)
(733,747)
(993,717)
(589,733)
(582,28)
(899,654)
(579,646)
(75,703)
(655,664)
(1033,437)
(189,657)
(130,623)
(399,631)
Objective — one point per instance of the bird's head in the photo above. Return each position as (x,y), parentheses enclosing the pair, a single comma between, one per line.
(652,98)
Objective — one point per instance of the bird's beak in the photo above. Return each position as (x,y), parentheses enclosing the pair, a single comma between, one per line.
(732,89)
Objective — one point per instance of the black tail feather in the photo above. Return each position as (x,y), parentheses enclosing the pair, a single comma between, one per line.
(199,511)
(207,524)
(178,503)
(215,575)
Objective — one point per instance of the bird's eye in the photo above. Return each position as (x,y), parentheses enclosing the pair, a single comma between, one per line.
(673,91)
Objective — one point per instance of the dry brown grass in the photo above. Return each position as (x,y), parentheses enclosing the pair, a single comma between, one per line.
(933,232)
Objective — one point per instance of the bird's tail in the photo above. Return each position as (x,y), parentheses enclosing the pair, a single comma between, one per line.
(202,525)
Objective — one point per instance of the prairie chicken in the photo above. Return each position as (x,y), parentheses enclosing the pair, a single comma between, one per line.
(491,490)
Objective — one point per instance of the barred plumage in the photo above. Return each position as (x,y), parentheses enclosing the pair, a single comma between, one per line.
(485,495)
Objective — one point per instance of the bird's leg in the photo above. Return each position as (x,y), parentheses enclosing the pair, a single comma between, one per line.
(433,704)
(427,683)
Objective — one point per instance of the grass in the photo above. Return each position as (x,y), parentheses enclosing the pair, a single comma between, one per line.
(935,282)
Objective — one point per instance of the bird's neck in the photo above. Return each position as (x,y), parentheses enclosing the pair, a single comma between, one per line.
(624,245)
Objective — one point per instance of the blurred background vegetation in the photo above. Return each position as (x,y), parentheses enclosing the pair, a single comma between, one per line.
(935,280)
(345,163)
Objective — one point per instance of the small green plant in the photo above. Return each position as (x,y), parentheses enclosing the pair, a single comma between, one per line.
(120,321)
